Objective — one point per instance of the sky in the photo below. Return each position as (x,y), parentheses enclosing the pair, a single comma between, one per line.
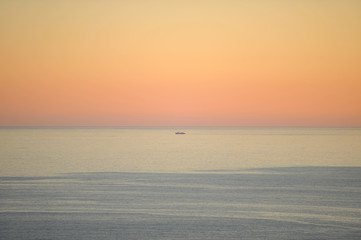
(180,63)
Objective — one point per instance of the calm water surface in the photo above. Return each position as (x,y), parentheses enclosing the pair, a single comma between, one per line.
(44,152)
(235,183)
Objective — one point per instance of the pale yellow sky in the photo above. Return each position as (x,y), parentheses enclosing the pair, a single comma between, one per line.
(180,63)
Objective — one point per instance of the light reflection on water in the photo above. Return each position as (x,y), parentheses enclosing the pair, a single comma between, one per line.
(45,152)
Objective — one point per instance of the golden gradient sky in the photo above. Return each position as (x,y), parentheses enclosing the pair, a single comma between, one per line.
(180,63)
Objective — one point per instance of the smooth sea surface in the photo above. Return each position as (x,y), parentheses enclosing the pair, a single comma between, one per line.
(149,183)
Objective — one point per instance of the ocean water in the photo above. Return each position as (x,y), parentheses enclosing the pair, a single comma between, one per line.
(211,183)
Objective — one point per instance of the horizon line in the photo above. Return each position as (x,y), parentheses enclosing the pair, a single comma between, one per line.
(195,126)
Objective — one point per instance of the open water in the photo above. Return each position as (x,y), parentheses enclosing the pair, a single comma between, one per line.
(219,183)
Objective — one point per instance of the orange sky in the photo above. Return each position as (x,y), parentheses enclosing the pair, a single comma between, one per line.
(180,63)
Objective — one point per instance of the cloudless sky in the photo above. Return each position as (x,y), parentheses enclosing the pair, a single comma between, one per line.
(180,63)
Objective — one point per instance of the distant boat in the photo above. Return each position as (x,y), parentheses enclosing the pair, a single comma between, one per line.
(180,133)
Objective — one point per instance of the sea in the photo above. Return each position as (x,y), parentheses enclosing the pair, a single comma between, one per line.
(150,183)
